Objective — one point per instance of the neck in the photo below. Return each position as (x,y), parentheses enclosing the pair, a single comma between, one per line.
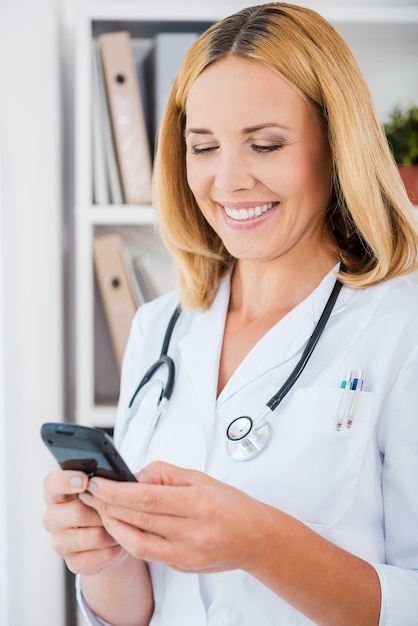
(259,289)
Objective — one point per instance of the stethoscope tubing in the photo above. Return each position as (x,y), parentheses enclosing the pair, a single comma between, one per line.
(275,400)
(164,359)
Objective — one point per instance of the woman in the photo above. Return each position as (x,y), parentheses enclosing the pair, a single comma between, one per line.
(273,179)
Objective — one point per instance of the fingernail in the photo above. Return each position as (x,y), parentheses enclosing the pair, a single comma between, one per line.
(76,481)
(93,488)
(86,497)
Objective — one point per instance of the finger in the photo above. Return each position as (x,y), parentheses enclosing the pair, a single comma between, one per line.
(69,514)
(160,473)
(170,512)
(148,494)
(138,543)
(134,517)
(72,540)
(60,485)
(95,561)
(151,547)
(128,499)
(169,491)
(158,509)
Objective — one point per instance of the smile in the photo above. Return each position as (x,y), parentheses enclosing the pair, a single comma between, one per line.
(241,215)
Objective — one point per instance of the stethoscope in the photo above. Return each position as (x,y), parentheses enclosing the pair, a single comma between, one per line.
(246,437)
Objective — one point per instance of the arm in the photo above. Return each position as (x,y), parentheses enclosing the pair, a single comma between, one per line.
(189,521)
(325,583)
(109,574)
(398,442)
(121,595)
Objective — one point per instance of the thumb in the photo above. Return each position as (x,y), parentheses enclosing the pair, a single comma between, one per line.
(60,486)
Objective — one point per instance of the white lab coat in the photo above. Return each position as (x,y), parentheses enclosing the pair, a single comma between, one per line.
(356,487)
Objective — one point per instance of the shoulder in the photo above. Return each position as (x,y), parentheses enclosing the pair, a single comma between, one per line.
(156,312)
(406,286)
(391,310)
(150,324)
(394,297)
(399,297)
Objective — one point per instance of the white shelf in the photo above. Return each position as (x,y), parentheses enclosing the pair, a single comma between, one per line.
(334,11)
(120,214)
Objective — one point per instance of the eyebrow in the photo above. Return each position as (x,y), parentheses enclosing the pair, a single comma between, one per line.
(197,131)
(245,131)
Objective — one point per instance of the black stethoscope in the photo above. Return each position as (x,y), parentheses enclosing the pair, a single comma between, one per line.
(246,437)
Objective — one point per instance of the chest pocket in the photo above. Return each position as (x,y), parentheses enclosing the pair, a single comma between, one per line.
(322,464)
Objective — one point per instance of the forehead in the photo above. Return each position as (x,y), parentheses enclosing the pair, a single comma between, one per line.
(238,86)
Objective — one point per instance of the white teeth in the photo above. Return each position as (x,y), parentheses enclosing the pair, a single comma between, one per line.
(246,214)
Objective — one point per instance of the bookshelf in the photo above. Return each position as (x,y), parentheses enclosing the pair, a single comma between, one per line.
(384,39)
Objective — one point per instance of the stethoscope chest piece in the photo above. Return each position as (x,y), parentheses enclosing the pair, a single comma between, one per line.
(246,438)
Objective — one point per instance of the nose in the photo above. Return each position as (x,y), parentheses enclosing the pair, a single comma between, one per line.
(233,174)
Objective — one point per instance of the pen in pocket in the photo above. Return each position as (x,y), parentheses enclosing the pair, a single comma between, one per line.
(349,384)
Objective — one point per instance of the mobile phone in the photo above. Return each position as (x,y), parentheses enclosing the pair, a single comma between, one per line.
(86,449)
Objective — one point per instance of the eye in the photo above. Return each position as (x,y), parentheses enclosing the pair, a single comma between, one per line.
(203,151)
(265,149)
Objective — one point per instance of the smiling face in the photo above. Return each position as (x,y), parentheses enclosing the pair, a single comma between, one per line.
(258,162)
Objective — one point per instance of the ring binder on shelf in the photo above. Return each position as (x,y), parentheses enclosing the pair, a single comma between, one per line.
(170,49)
(115,289)
(106,179)
(127,116)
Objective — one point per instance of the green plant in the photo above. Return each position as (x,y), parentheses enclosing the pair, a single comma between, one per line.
(402,134)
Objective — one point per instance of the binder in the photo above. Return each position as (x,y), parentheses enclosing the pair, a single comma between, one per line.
(127,117)
(144,285)
(170,49)
(115,290)
(143,55)
(106,181)
(100,187)
(138,293)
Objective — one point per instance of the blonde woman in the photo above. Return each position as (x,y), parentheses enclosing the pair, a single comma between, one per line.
(280,485)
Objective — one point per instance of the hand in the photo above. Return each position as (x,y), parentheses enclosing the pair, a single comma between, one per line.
(182,518)
(77,531)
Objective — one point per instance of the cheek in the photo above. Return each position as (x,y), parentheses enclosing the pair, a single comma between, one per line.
(314,172)
(199,187)
(321,182)
(200,176)
(321,159)
(195,178)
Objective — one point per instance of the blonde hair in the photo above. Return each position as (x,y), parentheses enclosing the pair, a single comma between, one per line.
(371,216)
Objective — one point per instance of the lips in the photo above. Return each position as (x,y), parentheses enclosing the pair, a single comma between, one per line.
(243,214)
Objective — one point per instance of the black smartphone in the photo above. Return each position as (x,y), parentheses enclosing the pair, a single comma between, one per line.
(86,449)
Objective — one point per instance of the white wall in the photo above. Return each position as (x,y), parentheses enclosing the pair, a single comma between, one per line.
(3,480)
(31,307)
